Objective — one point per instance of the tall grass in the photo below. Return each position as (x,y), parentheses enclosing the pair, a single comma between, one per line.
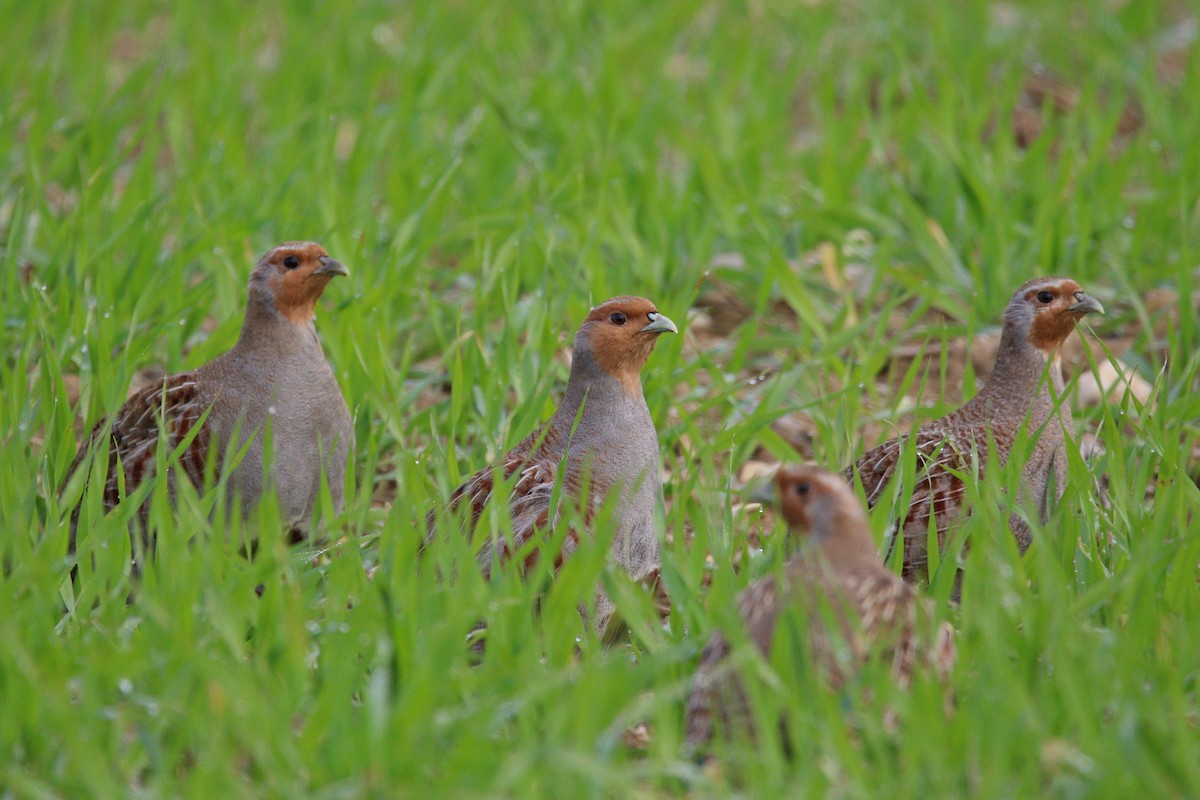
(488,171)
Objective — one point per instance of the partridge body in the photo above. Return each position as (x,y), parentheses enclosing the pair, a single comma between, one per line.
(602,433)
(276,373)
(854,607)
(1024,392)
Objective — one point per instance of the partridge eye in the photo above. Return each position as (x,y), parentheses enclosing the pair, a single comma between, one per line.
(616,318)
(1045,297)
(291,262)
(801,488)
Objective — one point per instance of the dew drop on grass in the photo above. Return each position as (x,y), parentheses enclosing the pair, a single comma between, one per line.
(270,409)
(125,685)
(128,627)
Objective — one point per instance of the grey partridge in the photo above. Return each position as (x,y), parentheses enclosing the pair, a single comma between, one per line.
(853,607)
(1024,392)
(276,373)
(601,435)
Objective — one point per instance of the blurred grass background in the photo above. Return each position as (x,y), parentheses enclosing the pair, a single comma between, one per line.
(810,184)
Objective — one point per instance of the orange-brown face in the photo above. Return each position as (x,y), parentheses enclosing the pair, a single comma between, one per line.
(622,332)
(821,506)
(810,497)
(296,274)
(798,486)
(1051,307)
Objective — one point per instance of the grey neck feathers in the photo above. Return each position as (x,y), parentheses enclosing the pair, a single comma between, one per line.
(840,520)
(266,330)
(1021,380)
(607,407)
(614,432)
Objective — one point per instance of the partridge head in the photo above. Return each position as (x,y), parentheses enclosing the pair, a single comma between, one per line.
(1024,393)
(618,337)
(292,277)
(820,507)
(1044,312)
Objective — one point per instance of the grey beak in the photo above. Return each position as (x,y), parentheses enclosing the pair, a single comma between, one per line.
(764,493)
(1086,304)
(331,266)
(660,323)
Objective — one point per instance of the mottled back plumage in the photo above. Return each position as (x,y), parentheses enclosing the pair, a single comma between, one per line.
(1024,392)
